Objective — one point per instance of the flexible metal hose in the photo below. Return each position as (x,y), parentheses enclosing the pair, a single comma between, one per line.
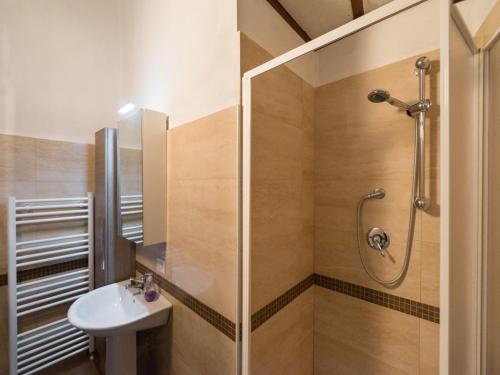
(411,223)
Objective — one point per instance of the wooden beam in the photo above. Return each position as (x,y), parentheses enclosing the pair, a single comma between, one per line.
(357,8)
(290,20)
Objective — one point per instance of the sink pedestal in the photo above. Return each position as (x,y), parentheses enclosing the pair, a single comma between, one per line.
(121,354)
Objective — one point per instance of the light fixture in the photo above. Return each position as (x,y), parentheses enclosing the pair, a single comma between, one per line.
(129,107)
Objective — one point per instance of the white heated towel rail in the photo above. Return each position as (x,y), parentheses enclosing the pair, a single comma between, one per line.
(131,208)
(53,341)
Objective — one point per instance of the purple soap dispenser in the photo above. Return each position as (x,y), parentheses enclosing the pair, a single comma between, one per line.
(150,294)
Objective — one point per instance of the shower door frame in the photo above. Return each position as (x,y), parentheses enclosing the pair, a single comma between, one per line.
(372,18)
(485,124)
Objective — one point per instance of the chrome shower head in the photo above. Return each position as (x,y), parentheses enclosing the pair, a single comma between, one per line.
(380,96)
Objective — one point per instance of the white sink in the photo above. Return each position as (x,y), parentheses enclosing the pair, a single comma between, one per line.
(116,313)
(114,310)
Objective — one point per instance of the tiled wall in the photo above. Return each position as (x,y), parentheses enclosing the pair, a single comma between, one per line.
(37,168)
(282,232)
(202,209)
(361,146)
(315,152)
(200,278)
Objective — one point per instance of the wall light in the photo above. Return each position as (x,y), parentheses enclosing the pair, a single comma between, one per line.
(129,107)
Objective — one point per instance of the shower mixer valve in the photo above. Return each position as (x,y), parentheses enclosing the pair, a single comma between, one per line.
(378,239)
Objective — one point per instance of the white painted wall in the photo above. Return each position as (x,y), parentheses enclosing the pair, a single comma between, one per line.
(404,35)
(474,12)
(66,66)
(59,67)
(180,57)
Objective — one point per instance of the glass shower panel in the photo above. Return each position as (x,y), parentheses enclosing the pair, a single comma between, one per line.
(318,145)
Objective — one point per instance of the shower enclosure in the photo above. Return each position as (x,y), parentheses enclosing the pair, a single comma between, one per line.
(316,156)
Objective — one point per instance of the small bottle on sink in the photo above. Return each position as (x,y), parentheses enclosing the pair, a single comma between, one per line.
(150,293)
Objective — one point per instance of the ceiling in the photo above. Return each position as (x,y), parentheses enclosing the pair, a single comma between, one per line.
(317,17)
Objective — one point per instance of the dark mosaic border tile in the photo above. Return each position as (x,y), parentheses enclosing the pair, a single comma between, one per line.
(265,313)
(219,321)
(35,273)
(404,305)
(390,301)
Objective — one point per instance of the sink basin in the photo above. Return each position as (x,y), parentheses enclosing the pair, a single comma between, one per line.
(114,310)
(117,314)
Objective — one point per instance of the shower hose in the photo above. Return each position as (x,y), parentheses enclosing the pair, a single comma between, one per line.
(394,282)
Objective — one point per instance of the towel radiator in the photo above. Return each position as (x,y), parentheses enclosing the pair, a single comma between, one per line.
(52,281)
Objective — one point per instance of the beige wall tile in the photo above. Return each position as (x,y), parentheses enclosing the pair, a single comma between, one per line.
(32,168)
(202,209)
(204,148)
(351,161)
(277,149)
(201,232)
(18,158)
(355,337)
(64,161)
(282,189)
(251,54)
(361,146)
(278,94)
(282,238)
(196,347)
(429,348)
(430,273)
(284,344)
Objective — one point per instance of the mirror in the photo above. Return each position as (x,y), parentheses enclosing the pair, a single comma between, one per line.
(142,142)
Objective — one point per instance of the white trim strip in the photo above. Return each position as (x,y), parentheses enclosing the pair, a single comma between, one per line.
(52,200)
(51,213)
(54,349)
(52,291)
(48,299)
(49,253)
(44,247)
(58,360)
(50,207)
(41,328)
(52,220)
(41,261)
(45,286)
(51,278)
(45,338)
(42,240)
(45,346)
(30,366)
(49,305)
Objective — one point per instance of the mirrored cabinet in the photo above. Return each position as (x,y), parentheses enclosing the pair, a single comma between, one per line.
(142,171)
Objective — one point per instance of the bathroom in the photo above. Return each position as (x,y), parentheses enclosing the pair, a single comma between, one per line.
(254,187)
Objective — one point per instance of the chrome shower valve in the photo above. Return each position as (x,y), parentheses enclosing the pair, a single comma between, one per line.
(378,239)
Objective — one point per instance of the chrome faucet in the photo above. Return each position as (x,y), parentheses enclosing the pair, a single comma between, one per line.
(139,283)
